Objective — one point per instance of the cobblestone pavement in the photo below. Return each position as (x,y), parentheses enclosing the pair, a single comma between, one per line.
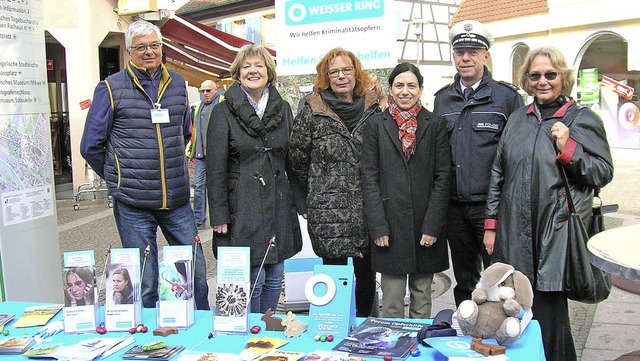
(93,228)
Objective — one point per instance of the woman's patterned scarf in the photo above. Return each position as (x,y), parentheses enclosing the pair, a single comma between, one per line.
(407,121)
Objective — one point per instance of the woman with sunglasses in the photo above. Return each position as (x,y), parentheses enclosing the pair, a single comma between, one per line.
(527,212)
(325,158)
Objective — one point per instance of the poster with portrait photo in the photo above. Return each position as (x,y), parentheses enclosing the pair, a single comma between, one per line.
(122,286)
(79,286)
(123,305)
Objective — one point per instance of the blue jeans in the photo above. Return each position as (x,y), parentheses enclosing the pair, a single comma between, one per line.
(200,192)
(268,286)
(138,228)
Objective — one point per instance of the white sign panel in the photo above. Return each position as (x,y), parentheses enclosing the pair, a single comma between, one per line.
(309,28)
(25,146)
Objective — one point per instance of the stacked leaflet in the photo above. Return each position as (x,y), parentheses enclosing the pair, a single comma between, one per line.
(376,337)
(16,345)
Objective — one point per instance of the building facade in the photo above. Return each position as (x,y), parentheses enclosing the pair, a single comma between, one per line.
(598,38)
(85,43)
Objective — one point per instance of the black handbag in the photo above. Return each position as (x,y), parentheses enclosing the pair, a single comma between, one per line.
(583,282)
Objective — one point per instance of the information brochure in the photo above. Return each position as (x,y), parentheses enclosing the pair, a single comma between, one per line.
(81,311)
(175,307)
(37,315)
(376,337)
(233,290)
(123,303)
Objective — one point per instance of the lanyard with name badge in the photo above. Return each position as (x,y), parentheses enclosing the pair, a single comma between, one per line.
(159,115)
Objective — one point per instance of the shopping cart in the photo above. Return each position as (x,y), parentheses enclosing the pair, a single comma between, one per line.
(94,186)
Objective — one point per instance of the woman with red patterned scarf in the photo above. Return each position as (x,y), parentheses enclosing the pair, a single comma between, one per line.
(405,170)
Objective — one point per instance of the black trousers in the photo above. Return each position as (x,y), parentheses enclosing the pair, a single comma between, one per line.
(365,282)
(465,233)
(551,309)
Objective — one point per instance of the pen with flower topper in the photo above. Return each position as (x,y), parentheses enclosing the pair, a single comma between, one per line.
(270,245)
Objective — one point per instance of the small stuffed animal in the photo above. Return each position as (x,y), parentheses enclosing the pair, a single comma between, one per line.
(500,297)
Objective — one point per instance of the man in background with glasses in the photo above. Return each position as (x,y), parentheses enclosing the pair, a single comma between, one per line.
(476,108)
(197,146)
(134,138)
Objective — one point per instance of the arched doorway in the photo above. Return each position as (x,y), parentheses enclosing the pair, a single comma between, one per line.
(605,55)
(518,57)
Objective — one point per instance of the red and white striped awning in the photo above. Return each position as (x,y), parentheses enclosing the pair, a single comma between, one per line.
(199,47)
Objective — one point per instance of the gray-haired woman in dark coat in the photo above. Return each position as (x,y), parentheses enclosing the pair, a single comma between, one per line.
(527,214)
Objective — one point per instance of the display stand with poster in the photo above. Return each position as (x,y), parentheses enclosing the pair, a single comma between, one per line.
(175,307)
(331,295)
(233,290)
(123,303)
(81,311)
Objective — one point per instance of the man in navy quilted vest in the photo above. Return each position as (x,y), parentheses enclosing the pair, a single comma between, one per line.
(134,138)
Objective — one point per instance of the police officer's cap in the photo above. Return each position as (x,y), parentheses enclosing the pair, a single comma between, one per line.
(470,34)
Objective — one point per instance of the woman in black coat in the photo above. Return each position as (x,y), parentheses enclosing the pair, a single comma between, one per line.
(250,200)
(405,165)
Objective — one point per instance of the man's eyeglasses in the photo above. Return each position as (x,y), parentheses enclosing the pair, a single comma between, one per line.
(552,75)
(143,48)
(206,90)
(336,72)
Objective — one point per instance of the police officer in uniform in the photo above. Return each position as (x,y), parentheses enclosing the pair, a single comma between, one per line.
(476,108)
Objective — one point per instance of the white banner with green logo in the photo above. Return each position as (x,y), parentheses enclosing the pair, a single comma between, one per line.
(309,28)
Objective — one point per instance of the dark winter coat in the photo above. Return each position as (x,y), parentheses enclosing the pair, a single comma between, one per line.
(475,126)
(325,163)
(405,199)
(247,185)
(527,195)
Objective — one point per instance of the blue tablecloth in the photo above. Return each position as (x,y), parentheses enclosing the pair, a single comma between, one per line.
(528,347)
